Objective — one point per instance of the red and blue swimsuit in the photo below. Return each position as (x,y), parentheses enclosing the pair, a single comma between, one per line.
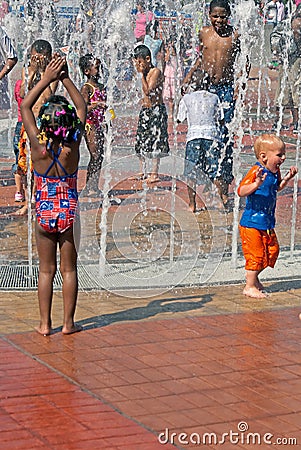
(56,199)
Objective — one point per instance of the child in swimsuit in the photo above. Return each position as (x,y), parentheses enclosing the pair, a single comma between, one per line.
(54,141)
(95,96)
(260,186)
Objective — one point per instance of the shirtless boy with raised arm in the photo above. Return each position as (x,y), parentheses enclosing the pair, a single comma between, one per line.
(219,47)
(152,134)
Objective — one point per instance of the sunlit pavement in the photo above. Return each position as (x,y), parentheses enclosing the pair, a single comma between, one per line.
(197,367)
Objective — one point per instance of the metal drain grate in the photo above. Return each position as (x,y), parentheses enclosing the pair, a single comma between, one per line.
(130,276)
(16,277)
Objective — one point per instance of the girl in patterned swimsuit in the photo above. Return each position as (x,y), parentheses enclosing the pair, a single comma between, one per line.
(54,142)
(95,96)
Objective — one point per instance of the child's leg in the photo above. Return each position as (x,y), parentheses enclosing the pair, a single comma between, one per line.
(253,286)
(68,267)
(153,176)
(142,174)
(22,211)
(46,246)
(19,195)
(260,250)
(95,142)
(191,188)
(222,188)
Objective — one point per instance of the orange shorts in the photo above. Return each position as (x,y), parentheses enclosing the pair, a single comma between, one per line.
(260,248)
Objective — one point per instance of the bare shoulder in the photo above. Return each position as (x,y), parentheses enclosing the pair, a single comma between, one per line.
(86,88)
(155,72)
(205,31)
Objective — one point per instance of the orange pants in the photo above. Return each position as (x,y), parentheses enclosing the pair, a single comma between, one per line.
(260,248)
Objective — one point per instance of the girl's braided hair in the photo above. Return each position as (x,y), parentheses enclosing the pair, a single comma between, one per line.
(57,117)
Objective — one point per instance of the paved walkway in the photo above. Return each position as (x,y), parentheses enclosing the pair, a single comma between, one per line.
(191,361)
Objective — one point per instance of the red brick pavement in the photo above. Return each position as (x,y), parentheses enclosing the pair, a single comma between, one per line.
(117,386)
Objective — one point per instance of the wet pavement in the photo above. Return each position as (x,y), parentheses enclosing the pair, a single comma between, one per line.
(194,361)
(197,365)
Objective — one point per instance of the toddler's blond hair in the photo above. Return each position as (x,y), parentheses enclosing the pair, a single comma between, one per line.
(267,139)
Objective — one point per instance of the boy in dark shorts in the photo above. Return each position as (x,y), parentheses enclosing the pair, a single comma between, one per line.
(152,134)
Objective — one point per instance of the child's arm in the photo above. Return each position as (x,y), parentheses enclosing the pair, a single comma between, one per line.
(182,111)
(189,77)
(85,92)
(28,80)
(75,95)
(187,80)
(150,83)
(290,174)
(52,73)
(251,182)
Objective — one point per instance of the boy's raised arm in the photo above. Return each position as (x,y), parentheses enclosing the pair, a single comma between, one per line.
(75,95)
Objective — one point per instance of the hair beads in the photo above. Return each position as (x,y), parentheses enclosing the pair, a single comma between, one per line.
(58,118)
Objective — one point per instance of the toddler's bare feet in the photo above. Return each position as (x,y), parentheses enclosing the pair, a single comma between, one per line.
(70,330)
(192,207)
(254,292)
(43,330)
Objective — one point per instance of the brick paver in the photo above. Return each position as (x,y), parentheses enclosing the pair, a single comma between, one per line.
(121,384)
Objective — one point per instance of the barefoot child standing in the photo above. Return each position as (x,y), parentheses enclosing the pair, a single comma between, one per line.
(55,145)
(95,97)
(152,134)
(204,114)
(260,186)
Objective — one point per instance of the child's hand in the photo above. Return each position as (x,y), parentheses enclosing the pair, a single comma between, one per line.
(55,68)
(260,176)
(100,103)
(291,173)
(140,65)
(38,63)
(64,72)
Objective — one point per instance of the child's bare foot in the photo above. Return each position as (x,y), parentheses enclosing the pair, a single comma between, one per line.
(74,329)
(254,292)
(192,207)
(300,316)
(225,199)
(153,179)
(22,211)
(43,330)
(138,177)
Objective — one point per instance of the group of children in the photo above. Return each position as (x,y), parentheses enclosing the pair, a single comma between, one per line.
(54,129)
(95,96)
(209,146)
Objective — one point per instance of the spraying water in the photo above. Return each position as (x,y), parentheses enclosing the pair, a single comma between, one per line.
(106,30)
